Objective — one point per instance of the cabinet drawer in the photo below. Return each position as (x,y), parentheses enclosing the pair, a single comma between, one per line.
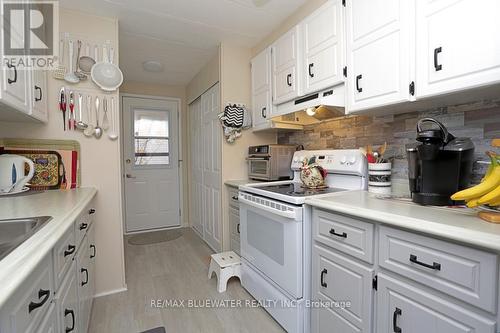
(83,222)
(67,302)
(64,252)
(339,279)
(345,234)
(233,197)
(28,305)
(462,272)
(410,309)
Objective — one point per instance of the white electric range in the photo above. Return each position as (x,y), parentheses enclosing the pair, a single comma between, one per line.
(276,233)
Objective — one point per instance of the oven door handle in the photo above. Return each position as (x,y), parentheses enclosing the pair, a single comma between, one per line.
(263,158)
(289,215)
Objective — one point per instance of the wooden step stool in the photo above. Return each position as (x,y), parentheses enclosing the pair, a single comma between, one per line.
(225,265)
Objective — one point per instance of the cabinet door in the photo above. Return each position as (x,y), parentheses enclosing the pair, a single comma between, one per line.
(49,324)
(404,308)
(339,279)
(67,303)
(234,225)
(451,55)
(378,53)
(39,95)
(83,273)
(261,88)
(323,38)
(285,59)
(15,83)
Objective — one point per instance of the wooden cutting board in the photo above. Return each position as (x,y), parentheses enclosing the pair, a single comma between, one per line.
(490,217)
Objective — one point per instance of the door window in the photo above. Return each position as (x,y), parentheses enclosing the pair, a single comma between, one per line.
(151,137)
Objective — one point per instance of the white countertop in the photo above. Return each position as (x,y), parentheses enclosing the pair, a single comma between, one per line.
(64,206)
(458,224)
(237,183)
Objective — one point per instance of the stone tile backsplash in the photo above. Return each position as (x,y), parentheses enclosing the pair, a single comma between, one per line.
(479,120)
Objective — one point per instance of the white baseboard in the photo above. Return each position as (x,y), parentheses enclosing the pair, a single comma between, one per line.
(111,292)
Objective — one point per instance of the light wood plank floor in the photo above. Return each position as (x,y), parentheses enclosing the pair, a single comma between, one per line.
(176,269)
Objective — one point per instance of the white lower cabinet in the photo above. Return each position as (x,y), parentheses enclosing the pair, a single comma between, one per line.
(234,219)
(57,296)
(67,302)
(404,308)
(343,288)
(416,284)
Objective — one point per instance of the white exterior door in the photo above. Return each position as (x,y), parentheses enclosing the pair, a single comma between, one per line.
(323,38)
(196,185)
(261,88)
(286,64)
(378,53)
(212,171)
(150,146)
(451,55)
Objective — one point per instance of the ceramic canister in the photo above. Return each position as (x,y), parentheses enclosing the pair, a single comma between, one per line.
(379,178)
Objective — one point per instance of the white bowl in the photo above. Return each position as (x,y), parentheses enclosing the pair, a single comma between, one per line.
(107,76)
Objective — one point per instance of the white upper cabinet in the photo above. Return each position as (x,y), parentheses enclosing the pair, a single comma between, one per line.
(323,47)
(16,88)
(378,53)
(261,88)
(286,64)
(39,105)
(458,46)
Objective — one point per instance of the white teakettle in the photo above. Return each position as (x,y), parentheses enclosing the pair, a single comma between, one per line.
(12,172)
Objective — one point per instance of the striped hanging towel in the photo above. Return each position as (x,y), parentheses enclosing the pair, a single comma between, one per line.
(234,116)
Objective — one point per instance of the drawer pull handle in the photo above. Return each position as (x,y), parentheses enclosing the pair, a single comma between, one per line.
(39,98)
(91,211)
(43,296)
(263,112)
(71,249)
(238,228)
(437,66)
(84,270)
(72,313)
(92,247)
(436,266)
(83,226)
(289,80)
(14,80)
(358,88)
(395,315)
(235,198)
(311,74)
(322,280)
(343,235)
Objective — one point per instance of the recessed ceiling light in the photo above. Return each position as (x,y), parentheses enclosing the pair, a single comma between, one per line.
(152,66)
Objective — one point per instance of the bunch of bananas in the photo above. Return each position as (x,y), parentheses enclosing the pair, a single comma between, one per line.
(488,191)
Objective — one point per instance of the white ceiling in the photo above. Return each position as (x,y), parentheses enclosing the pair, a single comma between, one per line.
(183,34)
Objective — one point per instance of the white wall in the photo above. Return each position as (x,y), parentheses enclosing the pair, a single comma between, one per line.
(100,159)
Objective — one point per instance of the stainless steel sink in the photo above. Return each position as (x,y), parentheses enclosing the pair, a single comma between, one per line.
(13,232)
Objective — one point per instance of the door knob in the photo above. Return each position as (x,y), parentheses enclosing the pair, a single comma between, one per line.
(130,176)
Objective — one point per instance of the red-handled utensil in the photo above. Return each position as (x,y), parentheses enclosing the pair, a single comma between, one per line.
(72,122)
(62,105)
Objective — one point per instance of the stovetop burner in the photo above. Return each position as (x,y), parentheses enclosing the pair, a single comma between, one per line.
(298,190)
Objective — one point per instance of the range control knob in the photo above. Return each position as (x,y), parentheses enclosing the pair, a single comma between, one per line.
(352,160)
(343,160)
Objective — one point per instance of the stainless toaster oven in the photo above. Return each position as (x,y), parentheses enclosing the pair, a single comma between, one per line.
(270,162)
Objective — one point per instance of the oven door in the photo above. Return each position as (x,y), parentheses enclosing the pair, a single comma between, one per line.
(271,240)
(259,168)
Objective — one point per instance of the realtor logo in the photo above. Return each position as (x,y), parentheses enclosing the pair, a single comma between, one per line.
(29,33)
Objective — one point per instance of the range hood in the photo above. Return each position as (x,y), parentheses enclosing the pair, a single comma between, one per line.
(332,98)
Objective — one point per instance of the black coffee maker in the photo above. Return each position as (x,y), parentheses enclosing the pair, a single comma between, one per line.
(438,164)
